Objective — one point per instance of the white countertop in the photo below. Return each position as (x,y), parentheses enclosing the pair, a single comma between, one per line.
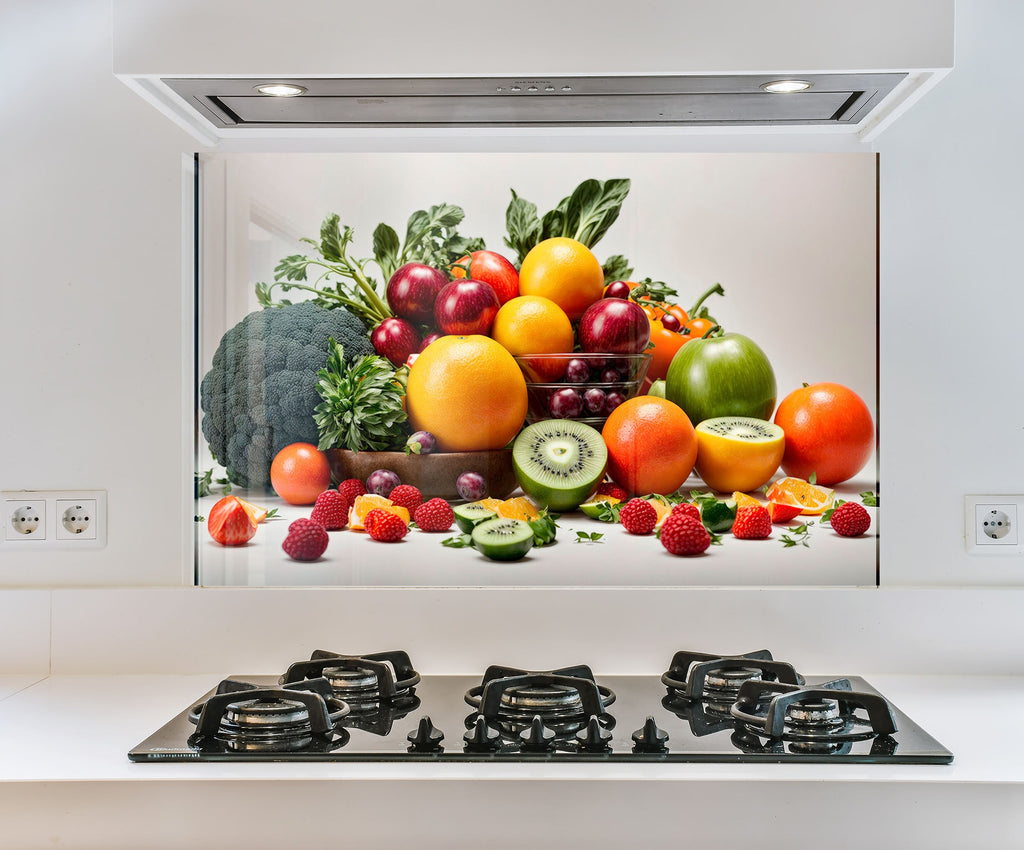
(64,742)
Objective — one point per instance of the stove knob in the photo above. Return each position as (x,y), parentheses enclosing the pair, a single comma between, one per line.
(650,739)
(538,738)
(594,738)
(427,737)
(481,738)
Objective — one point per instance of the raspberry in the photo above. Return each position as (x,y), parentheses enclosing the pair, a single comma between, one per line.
(850,520)
(681,534)
(435,515)
(331,510)
(753,522)
(687,509)
(351,488)
(609,488)
(306,541)
(638,516)
(386,527)
(407,496)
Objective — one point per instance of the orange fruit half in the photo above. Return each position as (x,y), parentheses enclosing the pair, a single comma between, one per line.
(364,504)
(518,508)
(810,498)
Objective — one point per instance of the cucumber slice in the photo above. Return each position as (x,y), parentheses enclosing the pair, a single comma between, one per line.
(503,539)
(470,515)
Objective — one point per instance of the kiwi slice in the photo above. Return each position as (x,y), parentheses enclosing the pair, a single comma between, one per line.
(559,462)
(503,539)
(470,515)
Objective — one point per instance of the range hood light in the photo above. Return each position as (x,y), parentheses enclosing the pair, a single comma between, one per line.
(786,86)
(280,90)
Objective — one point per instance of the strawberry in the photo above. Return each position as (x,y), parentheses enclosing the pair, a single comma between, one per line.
(638,516)
(753,522)
(351,488)
(682,534)
(407,496)
(230,524)
(610,488)
(331,510)
(687,509)
(435,515)
(850,520)
(385,527)
(306,540)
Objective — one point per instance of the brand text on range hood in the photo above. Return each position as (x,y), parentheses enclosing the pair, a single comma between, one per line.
(718,100)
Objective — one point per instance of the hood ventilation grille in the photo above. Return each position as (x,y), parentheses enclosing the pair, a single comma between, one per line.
(537,102)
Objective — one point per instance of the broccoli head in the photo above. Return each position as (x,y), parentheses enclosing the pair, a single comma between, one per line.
(260,393)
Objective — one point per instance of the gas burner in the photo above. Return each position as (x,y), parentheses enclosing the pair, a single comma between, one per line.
(243,717)
(717,679)
(366,682)
(813,717)
(563,699)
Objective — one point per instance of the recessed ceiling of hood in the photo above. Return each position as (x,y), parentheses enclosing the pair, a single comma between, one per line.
(537,102)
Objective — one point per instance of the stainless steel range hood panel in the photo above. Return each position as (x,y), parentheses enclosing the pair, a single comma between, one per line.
(736,100)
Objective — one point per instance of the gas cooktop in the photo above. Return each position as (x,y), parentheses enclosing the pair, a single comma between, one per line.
(704,708)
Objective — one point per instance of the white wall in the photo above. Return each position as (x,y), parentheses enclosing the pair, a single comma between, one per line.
(92,342)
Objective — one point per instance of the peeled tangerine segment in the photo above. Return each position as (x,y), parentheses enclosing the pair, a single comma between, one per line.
(738,452)
(811,498)
(364,504)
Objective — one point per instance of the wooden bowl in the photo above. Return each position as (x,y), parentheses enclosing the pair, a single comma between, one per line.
(433,474)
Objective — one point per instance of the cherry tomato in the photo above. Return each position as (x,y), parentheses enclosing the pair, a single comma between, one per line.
(698,327)
(666,344)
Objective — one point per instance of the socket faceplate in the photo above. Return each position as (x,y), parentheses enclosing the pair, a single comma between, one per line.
(991,525)
(54,519)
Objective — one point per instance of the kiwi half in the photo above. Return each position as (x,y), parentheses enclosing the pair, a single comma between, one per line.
(503,539)
(738,453)
(559,462)
(470,515)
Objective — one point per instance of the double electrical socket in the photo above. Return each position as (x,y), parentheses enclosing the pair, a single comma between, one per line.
(69,519)
(991,525)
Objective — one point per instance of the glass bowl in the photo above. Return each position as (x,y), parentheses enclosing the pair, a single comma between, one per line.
(584,387)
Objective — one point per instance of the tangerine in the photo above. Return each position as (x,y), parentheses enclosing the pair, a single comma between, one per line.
(362,506)
(565,271)
(532,324)
(518,508)
(651,445)
(468,392)
(300,472)
(829,433)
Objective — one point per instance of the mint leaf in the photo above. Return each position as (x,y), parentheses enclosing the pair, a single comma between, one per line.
(869,499)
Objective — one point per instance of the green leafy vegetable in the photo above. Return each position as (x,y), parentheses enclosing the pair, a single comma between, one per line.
(362,403)
(544,528)
(585,216)
(617,267)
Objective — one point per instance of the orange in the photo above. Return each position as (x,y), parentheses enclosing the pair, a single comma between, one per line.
(364,504)
(661,507)
(468,392)
(651,445)
(518,508)
(829,433)
(565,271)
(255,512)
(745,500)
(532,324)
(300,472)
(811,498)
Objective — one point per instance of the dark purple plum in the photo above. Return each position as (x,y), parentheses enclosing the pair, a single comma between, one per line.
(617,289)
(613,400)
(594,400)
(382,482)
(471,486)
(671,323)
(577,371)
(565,404)
(610,376)
(420,443)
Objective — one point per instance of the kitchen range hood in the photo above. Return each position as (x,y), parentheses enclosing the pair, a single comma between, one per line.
(236,71)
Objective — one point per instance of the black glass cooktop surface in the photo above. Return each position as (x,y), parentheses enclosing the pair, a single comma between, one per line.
(565,715)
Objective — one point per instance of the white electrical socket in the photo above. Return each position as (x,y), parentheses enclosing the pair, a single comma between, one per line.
(24,519)
(991,525)
(56,519)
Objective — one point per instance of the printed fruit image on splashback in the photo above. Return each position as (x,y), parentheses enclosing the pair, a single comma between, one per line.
(538,369)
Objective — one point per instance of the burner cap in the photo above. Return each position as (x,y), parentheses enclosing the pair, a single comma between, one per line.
(267,714)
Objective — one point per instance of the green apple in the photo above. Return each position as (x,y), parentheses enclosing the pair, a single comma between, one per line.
(724,375)
(657,389)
